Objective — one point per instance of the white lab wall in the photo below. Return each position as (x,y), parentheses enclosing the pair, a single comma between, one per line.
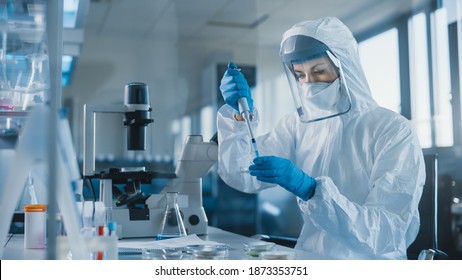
(272,95)
(104,68)
(196,59)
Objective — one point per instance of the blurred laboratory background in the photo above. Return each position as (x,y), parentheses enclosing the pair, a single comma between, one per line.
(411,51)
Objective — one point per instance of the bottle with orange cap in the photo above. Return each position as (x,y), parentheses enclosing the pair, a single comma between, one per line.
(35,226)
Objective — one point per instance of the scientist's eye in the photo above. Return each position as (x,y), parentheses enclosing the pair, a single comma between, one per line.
(318,72)
(300,76)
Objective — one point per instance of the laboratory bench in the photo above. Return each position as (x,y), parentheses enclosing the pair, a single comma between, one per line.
(14,247)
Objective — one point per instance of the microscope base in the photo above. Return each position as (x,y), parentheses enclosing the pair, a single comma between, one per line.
(137,223)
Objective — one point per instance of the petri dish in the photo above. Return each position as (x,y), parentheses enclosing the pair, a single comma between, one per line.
(277,255)
(162,254)
(208,252)
(254,249)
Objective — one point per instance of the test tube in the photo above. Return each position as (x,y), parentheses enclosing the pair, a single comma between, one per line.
(245,170)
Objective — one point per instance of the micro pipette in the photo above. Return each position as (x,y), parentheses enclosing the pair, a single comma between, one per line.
(246,114)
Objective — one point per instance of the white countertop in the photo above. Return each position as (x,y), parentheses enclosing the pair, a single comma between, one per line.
(14,248)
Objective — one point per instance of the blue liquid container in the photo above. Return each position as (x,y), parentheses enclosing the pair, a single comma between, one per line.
(172,222)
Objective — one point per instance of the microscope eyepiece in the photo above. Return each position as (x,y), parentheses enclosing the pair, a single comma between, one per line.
(137,117)
(136,93)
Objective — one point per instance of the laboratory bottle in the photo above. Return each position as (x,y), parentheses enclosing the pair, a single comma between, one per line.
(34,226)
(172,223)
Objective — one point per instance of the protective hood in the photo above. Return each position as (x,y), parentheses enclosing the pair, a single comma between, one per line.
(338,38)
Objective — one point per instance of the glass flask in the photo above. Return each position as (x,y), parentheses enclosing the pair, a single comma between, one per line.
(28,195)
(172,223)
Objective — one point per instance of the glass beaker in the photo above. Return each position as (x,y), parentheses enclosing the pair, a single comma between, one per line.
(172,223)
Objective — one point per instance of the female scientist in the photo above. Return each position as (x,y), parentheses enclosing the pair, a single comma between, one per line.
(357,169)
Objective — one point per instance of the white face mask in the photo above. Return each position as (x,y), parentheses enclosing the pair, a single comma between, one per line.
(320,95)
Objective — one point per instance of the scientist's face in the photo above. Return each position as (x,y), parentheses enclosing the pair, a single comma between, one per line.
(315,71)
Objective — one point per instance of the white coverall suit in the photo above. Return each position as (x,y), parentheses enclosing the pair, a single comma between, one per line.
(367,163)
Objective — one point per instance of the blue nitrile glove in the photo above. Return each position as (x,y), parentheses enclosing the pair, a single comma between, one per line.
(285,173)
(234,86)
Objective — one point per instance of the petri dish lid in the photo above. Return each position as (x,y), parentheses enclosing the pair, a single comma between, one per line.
(162,254)
(208,251)
(259,246)
(255,248)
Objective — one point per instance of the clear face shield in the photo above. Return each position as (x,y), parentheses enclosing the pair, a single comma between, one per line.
(315,78)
